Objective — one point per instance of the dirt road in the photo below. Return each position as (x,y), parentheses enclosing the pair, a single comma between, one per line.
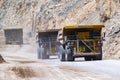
(21,66)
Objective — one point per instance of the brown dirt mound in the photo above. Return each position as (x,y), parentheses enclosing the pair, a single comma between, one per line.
(23,72)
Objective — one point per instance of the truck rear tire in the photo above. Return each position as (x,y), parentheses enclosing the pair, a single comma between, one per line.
(88,58)
(39,53)
(69,55)
(62,56)
(99,56)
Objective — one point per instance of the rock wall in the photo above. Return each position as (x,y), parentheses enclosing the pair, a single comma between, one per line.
(110,16)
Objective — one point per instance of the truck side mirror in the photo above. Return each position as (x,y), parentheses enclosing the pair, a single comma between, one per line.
(103,37)
(100,43)
(65,38)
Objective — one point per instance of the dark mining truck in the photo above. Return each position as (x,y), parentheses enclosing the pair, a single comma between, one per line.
(47,43)
(13,36)
(80,41)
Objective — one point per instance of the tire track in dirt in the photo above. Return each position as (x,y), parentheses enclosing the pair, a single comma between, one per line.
(66,73)
(76,74)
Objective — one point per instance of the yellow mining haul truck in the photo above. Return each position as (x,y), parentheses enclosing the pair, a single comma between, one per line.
(80,41)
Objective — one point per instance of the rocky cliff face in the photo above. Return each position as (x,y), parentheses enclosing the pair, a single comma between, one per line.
(110,11)
(54,14)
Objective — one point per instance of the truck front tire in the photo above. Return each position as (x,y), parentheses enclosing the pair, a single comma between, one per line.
(42,54)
